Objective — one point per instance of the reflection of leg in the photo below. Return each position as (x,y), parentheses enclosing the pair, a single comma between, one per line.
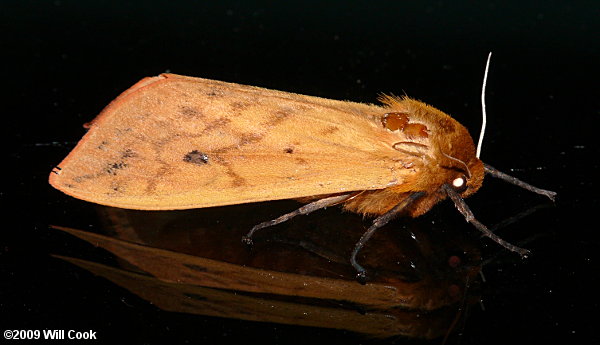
(378,223)
(306,209)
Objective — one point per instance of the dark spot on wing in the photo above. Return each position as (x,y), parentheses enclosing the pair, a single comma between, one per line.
(102,145)
(81,178)
(190,112)
(217,123)
(121,131)
(128,153)
(249,138)
(301,161)
(279,116)
(116,188)
(238,106)
(196,157)
(237,179)
(214,92)
(113,168)
(289,149)
(153,183)
(330,130)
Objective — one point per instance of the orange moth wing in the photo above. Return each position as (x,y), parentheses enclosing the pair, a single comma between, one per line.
(175,142)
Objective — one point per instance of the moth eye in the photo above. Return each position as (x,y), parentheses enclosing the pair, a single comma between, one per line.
(460,183)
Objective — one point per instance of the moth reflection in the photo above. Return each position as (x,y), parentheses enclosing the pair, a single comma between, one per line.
(193,262)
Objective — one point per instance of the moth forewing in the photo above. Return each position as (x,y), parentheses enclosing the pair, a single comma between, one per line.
(256,145)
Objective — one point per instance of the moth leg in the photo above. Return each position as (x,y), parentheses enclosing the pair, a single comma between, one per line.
(498,174)
(306,209)
(468,214)
(380,221)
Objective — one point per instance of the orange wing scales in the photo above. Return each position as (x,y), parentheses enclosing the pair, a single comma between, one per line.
(174,142)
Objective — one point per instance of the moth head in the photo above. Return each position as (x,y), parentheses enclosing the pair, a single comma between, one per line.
(431,135)
(465,177)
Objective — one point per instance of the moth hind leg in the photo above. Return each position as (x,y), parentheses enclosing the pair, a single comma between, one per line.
(304,210)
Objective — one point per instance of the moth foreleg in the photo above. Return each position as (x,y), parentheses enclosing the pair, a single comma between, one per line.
(380,221)
(462,207)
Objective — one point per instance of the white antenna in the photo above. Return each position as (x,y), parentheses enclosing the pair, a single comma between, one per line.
(484,122)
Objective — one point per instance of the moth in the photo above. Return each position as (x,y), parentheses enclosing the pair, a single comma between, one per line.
(175,142)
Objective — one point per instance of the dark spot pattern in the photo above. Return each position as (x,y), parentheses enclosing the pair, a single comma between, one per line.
(238,106)
(79,179)
(117,188)
(162,171)
(278,117)
(237,179)
(249,138)
(128,153)
(102,145)
(196,157)
(330,130)
(190,112)
(214,92)
(301,161)
(113,168)
(217,123)
(123,131)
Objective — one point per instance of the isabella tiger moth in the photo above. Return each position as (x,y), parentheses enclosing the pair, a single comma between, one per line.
(174,142)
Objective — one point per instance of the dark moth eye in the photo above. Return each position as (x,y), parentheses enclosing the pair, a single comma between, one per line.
(460,183)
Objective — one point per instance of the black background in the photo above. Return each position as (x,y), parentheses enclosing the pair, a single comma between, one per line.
(63,61)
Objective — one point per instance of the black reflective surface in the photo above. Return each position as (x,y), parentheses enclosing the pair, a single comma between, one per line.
(65,60)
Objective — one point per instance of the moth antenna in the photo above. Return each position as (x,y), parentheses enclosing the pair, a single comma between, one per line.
(510,179)
(461,162)
(483,113)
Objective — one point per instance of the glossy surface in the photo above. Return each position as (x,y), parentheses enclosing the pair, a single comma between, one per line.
(65,60)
